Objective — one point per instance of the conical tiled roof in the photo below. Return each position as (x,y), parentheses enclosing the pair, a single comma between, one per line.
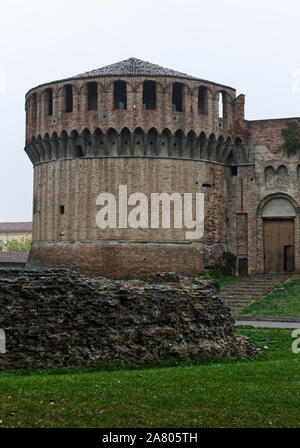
(133,67)
(129,68)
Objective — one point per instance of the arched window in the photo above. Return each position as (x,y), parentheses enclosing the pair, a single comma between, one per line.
(68,98)
(202,101)
(270,177)
(222,105)
(149,95)
(33,107)
(120,95)
(92,92)
(177,97)
(49,102)
(282,176)
(79,151)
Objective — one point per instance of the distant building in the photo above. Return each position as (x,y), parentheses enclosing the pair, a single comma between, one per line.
(14,231)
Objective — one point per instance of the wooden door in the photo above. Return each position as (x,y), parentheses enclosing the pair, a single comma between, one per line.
(279,245)
(243,266)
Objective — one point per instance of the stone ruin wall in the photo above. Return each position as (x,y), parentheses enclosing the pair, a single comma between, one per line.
(56,318)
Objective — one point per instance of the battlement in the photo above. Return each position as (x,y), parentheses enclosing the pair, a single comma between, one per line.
(132,95)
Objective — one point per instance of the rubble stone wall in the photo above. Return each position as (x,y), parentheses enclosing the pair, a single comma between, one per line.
(56,318)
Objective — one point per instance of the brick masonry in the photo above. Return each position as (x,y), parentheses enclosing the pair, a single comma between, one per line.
(152,151)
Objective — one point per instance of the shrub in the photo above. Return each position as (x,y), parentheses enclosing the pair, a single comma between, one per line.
(226,265)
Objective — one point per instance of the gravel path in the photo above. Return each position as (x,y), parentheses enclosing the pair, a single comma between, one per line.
(268,323)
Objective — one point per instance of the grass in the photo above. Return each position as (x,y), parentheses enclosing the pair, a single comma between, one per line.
(223,281)
(259,392)
(284,301)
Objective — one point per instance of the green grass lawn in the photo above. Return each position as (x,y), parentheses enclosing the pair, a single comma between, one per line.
(284,301)
(223,281)
(260,392)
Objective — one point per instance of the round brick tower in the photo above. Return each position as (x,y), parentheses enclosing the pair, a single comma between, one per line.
(138,125)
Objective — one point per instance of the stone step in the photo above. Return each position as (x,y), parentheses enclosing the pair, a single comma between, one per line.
(236,305)
(254,285)
(246,293)
(238,295)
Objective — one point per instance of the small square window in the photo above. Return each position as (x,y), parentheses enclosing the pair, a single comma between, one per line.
(234,171)
(62,209)
(35,206)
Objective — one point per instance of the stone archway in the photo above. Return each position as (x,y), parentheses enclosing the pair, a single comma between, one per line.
(278,215)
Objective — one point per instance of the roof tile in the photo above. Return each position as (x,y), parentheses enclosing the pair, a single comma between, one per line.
(15,227)
(133,67)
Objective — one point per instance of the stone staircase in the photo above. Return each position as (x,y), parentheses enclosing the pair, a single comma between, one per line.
(238,295)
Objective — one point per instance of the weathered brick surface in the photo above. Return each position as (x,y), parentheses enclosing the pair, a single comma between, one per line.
(60,319)
(268,133)
(134,116)
(120,259)
(76,184)
(150,152)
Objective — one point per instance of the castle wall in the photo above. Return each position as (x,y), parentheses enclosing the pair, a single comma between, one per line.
(76,184)
(40,124)
(272,175)
(268,133)
(238,164)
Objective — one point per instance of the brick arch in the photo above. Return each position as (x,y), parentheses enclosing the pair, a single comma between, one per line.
(63,144)
(152,147)
(260,233)
(54,145)
(111,83)
(270,176)
(166,135)
(190,149)
(125,142)
(85,140)
(219,149)
(282,177)
(33,101)
(139,128)
(112,142)
(268,198)
(138,143)
(89,142)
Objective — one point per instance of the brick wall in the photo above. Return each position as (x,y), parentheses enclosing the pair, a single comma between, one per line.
(134,116)
(76,183)
(232,202)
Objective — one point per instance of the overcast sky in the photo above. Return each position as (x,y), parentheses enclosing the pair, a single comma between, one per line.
(252,45)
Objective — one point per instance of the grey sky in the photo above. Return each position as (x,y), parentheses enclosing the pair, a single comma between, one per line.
(252,45)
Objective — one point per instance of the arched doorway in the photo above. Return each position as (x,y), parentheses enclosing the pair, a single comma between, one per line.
(279,236)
